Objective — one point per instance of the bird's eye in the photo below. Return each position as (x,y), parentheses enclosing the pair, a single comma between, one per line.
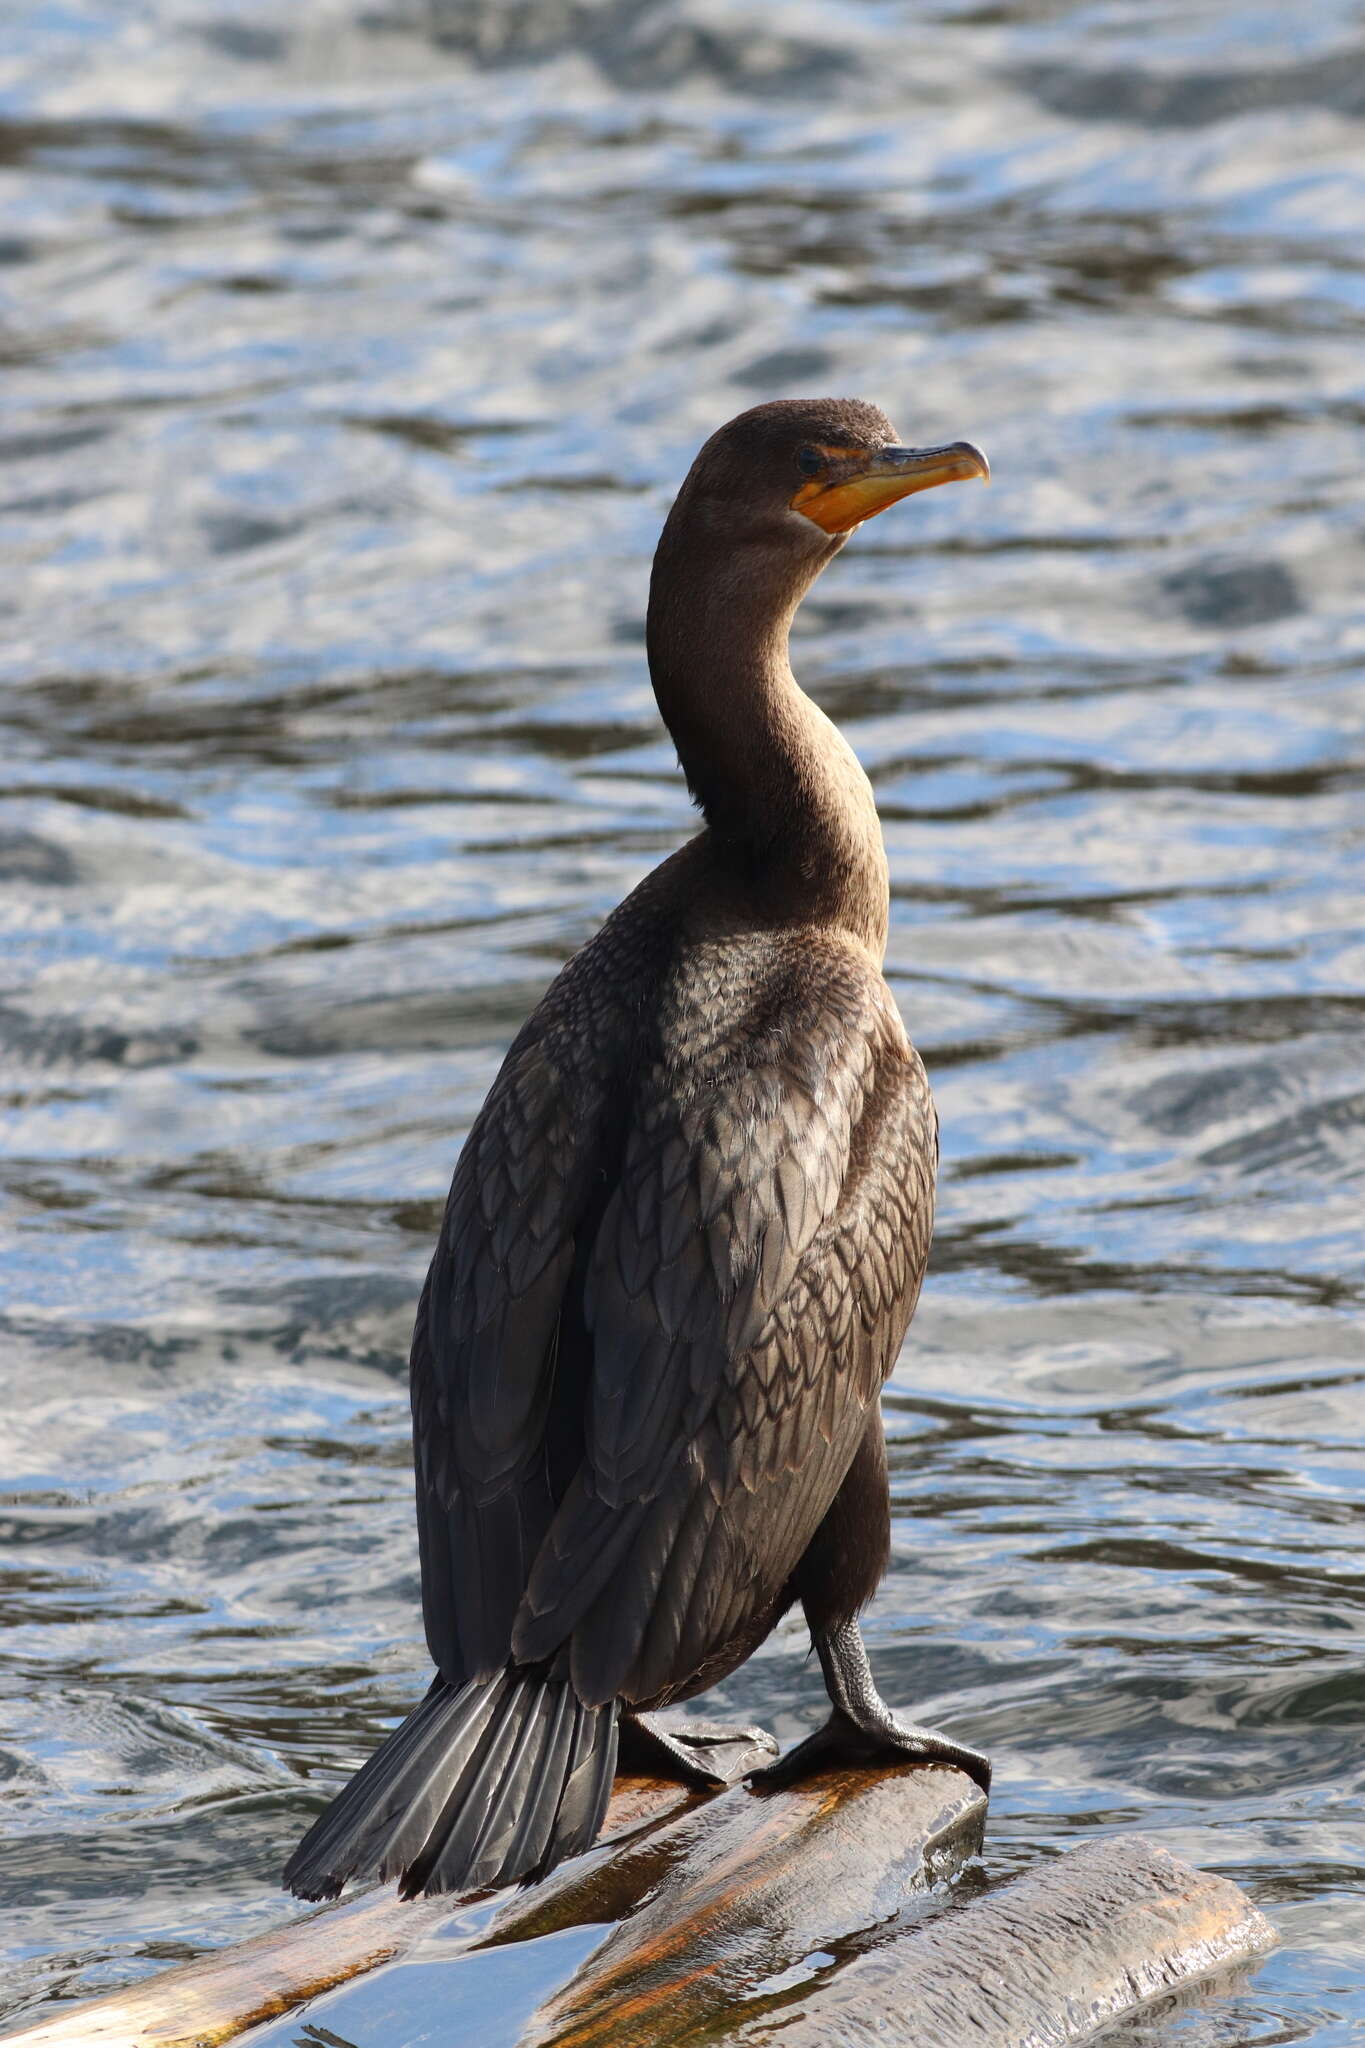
(810,461)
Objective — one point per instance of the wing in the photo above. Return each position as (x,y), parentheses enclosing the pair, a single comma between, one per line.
(748,1289)
(487,1330)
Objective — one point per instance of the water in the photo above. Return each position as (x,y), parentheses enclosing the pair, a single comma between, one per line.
(351,355)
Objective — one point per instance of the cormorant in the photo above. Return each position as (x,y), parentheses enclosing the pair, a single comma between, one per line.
(682,1246)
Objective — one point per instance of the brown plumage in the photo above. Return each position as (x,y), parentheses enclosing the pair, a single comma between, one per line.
(683,1243)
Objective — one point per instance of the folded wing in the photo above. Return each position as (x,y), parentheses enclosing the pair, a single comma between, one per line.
(747,1290)
(485,1349)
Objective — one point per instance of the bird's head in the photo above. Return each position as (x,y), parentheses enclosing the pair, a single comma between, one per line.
(793,478)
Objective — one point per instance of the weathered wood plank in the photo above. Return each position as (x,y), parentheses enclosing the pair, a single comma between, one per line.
(200,2004)
(739,1891)
(1047,1961)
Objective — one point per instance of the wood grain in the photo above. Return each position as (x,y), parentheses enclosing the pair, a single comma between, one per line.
(203,2003)
(1050,1960)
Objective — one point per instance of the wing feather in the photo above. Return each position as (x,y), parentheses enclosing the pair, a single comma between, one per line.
(747,1291)
(485,1346)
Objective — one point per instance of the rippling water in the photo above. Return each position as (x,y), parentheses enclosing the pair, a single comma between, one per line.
(351,354)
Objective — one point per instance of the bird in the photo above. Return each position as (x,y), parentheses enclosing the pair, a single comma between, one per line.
(682,1246)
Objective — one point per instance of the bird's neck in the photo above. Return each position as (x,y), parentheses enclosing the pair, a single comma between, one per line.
(782,791)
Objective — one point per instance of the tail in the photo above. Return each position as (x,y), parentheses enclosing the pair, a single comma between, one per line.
(483,1784)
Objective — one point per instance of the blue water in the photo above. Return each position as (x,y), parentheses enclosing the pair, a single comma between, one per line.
(349,356)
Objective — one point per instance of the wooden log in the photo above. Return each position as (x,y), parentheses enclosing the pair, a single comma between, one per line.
(738,1891)
(203,2003)
(727,1913)
(741,1886)
(1049,1960)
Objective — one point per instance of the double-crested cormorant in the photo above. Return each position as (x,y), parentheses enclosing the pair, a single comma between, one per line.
(683,1243)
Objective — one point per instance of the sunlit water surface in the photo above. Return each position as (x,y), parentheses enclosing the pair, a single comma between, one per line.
(350,356)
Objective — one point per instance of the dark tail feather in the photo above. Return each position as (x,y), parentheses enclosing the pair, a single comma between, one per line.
(483,1784)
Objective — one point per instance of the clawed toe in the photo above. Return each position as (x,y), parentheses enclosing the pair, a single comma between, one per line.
(928,1744)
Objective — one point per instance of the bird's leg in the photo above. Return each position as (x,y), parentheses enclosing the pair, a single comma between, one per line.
(861,1728)
(706,1754)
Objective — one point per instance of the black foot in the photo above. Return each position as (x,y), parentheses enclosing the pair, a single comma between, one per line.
(701,1753)
(842,1741)
(861,1728)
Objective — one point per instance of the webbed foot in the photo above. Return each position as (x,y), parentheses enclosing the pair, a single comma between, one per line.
(861,1728)
(707,1754)
(844,1741)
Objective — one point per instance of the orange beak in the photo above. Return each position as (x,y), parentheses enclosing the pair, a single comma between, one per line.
(857,490)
